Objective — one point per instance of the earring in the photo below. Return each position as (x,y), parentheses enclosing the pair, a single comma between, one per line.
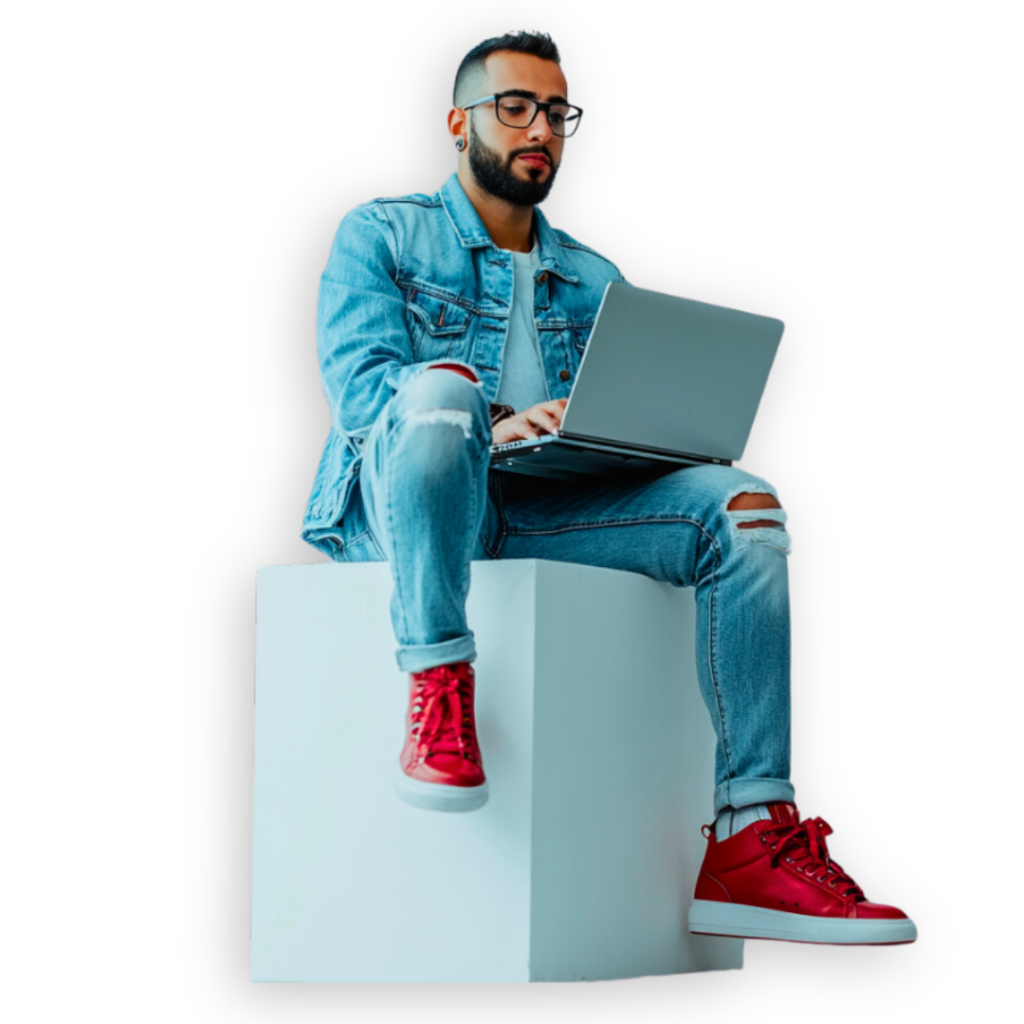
(460,144)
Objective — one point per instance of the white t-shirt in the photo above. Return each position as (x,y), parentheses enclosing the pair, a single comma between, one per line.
(522,382)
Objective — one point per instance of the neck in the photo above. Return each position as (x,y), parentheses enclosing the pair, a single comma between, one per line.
(508,225)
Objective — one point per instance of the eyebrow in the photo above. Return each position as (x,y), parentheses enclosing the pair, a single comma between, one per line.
(529,94)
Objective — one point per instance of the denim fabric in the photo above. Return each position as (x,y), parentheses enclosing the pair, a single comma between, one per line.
(404,474)
(428,451)
(414,281)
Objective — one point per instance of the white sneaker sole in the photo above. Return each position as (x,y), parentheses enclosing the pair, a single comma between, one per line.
(740,921)
(433,796)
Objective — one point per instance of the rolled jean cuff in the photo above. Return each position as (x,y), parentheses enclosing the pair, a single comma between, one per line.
(737,793)
(417,657)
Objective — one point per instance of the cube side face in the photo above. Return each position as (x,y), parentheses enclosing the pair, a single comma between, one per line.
(623,779)
(572,869)
(349,883)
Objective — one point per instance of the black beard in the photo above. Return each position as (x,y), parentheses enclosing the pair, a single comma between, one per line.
(495,175)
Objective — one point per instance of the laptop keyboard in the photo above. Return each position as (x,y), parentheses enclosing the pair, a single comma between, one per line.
(513,445)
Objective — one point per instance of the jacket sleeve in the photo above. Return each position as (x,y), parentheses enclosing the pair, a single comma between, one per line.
(363,343)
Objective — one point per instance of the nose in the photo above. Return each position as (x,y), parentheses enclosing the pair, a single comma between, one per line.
(540,130)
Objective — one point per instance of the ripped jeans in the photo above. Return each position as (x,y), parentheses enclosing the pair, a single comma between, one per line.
(431,504)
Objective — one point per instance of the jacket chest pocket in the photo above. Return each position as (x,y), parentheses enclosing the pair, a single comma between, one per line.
(581,334)
(438,327)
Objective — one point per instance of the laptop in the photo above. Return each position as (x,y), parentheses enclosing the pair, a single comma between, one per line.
(664,382)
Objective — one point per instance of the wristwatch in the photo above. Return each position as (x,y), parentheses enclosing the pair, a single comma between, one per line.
(500,412)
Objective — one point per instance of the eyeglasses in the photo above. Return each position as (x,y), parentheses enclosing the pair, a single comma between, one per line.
(519,112)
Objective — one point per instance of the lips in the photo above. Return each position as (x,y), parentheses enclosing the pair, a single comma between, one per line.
(534,159)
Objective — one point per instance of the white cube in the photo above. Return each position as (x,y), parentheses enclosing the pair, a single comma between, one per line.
(599,758)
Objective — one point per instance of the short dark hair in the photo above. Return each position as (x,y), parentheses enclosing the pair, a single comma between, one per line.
(539,44)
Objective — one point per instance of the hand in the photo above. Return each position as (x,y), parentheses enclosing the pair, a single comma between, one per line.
(545,418)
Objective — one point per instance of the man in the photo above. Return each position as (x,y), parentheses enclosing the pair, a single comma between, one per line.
(454,321)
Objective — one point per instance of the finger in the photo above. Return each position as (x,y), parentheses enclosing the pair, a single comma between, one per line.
(544,420)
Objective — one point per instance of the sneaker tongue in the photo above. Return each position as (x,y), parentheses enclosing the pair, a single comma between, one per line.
(784,813)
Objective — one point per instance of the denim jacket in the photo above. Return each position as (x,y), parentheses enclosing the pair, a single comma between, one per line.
(415,281)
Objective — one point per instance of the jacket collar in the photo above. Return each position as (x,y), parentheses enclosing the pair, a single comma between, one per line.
(473,235)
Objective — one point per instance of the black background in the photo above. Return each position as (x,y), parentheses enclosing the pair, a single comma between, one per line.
(754,169)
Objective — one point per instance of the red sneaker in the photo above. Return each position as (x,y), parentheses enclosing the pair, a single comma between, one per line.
(775,880)
(440,766)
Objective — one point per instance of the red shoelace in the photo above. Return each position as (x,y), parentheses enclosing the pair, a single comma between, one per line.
(804,846)
(442,712)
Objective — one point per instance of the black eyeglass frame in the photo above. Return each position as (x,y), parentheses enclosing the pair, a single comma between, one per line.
(546,107)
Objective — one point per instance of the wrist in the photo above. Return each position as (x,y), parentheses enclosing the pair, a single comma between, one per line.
(500,412)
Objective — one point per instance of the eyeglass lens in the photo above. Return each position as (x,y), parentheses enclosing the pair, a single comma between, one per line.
(518,112)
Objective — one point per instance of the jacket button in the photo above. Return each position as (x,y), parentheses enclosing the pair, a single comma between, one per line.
(542,277)
(564,375)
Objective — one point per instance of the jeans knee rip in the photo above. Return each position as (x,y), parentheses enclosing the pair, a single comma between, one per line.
(774,536)
(456,417)
(750,488)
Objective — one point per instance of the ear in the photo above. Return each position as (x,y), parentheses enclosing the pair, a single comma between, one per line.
(457,124)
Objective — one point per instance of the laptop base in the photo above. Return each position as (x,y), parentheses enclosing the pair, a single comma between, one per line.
(560,458)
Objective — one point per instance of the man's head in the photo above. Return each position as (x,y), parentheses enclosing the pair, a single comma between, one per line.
(517,165)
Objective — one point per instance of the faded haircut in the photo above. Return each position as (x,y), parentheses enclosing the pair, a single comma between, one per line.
(471,77)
